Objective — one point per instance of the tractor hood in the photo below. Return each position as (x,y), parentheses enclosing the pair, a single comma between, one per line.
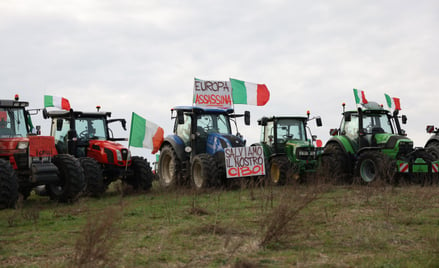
(39,146)
(217,142)
(302,150)
(389,141)
(108,152)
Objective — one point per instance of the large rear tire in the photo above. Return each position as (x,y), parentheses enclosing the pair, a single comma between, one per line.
(142,176)
(433,149)
(8,185)
(93,177)
(169,167)
(204,171)
(71,179)
(335,165)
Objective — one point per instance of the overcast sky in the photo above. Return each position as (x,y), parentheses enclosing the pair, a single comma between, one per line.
(142,56)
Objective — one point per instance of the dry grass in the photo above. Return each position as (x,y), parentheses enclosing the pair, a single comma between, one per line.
(306,225)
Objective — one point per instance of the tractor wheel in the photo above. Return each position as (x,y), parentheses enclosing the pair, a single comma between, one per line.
(370,166)
(8,185)
(142,176)
(334,164)
(204,171)
(71,179)
(277,172)
(93,177)
(169,167)
(433,149)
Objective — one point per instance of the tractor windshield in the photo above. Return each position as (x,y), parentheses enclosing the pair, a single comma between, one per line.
(290,129)
(12,122)
(91,128)
(213,123)
(373,123)
(377,123)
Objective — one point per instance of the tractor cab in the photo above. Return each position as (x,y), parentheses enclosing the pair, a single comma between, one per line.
(206,130)
(370,126)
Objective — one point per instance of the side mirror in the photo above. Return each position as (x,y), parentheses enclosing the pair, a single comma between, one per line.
(180,117)
(319,121)
(347,117)
(124,124)
(430,129)
(247,118)
(59,123)
(333,131)
(404,119)
(45,113)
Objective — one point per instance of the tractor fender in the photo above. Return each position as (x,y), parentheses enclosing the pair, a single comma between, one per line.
(343,142)
(178,145)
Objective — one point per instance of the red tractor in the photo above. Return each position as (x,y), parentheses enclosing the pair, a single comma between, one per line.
(87,136)
(28,160)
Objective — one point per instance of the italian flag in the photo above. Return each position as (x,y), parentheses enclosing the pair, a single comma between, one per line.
(144,133)
(360,97)
(58,102)
(393,102)
(249,93)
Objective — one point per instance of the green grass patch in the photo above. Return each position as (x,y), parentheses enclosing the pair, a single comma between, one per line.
(302,225)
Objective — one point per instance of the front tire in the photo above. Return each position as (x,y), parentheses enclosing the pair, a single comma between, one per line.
(142,176)
(8,185)
(370,166)
(93,177)
(278,170)
(71,179)
(204,171)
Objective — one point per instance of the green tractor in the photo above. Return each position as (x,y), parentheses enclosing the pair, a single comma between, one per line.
(371,145)
(288,147)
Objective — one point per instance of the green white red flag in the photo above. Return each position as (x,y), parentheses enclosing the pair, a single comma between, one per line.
(249,93)
(393,102)
(146,134)
(58,102)
(360,97)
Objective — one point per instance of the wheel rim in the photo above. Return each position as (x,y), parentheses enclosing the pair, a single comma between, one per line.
(275,173)
(197,175)
(368,170)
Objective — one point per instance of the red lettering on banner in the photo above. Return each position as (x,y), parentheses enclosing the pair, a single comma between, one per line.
(245,171)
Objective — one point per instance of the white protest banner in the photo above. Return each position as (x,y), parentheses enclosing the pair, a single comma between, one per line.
(208,93)
(244,161)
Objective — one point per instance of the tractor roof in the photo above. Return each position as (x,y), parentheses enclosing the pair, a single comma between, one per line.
(264,119)
(13,103)
(272,118)
(202,110)
(77,114)
(371,108)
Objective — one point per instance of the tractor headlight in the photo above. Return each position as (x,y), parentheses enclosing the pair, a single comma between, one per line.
(22,145)
(118,155)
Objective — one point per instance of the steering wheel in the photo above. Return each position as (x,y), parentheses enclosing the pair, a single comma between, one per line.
(83,134)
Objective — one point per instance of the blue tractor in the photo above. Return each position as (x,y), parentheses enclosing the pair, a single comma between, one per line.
(194,154)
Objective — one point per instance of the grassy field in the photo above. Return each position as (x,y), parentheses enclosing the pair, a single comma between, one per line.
(295,225)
